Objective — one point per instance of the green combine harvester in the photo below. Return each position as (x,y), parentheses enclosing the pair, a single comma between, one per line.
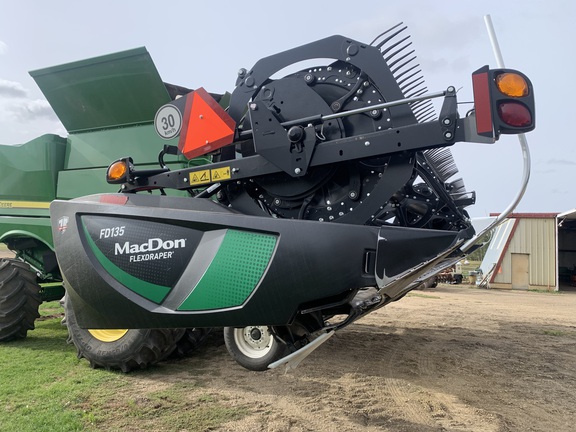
(107,104)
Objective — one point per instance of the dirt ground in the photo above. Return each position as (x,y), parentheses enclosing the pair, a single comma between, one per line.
(452,358)
(6,254)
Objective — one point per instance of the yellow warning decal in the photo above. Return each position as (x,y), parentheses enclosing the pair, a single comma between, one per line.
(24,204)
(200,177)
(220,174)
(207,176)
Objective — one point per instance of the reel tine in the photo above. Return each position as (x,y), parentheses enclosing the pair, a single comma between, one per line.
(442,161)
(457,187)
(393,63)
(407,62)
(393,35)
(420,92)
(387,50)
(414,85)
(431,116)
(402,81)
(424,113)
(395,45)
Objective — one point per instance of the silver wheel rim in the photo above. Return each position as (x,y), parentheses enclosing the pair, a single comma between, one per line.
(254,341)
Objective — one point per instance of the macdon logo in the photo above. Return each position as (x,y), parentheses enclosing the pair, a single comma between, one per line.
(156,248)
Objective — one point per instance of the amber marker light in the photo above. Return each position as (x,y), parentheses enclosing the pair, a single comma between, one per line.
(512,84)
(117,171)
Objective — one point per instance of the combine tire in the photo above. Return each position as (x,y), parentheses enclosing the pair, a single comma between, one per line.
(191,339)
(123,349)
(19,299)
(253,347)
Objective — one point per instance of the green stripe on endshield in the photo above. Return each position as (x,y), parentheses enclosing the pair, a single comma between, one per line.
(234,272)
(150,291)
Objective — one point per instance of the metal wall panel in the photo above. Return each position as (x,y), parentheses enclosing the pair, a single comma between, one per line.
(537,238)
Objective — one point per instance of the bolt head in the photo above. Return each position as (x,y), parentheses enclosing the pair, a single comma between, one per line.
(352,49)
(309,78)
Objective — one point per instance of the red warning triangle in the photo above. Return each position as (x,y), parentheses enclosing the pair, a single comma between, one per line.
(206,126)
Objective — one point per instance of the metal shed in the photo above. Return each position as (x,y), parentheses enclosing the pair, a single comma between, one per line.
(567,250)
(532,251)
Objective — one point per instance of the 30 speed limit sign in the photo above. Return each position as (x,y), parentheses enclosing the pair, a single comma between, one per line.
(168,122)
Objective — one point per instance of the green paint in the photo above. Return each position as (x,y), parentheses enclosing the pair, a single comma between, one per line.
(150,291)
(234,273)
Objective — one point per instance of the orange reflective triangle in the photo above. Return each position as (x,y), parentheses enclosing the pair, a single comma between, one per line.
(206,126)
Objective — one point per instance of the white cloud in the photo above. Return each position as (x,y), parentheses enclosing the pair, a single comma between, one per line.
(560,162)
(12,89)
(30,110)
(24,119)
(3,48)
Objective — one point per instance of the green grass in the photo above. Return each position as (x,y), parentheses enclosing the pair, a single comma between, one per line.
(545,291)
(176,408)
(555,332)
(45,387)
(42,380)
(52,310)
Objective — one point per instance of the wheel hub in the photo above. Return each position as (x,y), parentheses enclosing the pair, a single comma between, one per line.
(257,337)
(255,334)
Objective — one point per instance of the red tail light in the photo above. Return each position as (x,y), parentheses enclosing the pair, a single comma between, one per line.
(514,114)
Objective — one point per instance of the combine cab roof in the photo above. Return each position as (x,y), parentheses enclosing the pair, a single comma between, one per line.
(113,90)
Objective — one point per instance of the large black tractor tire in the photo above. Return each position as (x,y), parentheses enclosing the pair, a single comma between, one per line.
(19,299)
(190,340)
(253,347)
(122,349)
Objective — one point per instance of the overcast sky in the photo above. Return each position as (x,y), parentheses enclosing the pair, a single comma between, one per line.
(203,44)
